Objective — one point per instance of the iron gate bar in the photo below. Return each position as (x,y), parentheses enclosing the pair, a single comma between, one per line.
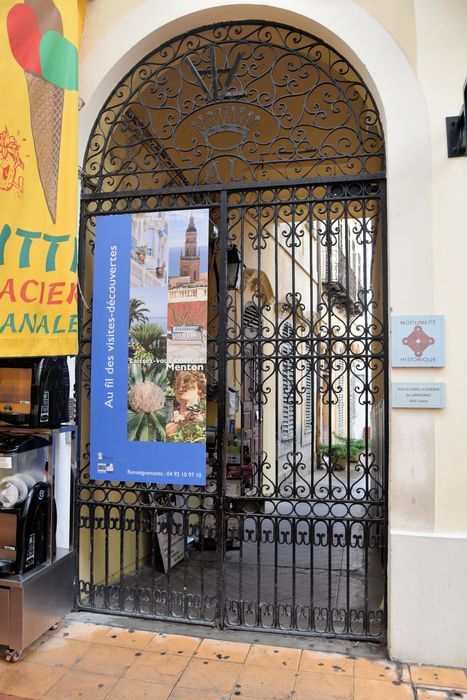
(221,402)
(204,189)
(387,389)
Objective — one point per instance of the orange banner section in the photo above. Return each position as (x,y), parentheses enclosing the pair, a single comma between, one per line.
(38,176)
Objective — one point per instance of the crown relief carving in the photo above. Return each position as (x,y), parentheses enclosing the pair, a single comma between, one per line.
(217,86)
(225,119)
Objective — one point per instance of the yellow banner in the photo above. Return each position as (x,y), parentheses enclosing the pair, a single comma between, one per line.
(38,177)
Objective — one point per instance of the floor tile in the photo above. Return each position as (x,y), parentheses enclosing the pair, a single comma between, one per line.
(84,660)
(110,661)
(322,662)
(261,682)
(430,694)
(438,676)
(219,676)
(152,667)
(368,689)
(376,670)
(84,631)
(275,657)
(126,689)
(184,694)
(174,644)
(223,651)
(130,638)
(75,684)
(29,680)
(56,651)
(5,666)
(323,686)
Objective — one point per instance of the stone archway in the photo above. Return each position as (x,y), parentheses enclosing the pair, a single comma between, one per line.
(276,134)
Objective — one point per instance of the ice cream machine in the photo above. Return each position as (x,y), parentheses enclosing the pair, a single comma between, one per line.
(37,560)
(25,502)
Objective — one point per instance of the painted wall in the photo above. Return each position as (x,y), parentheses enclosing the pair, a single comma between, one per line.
(442,74)
(386,42)
(428,573)
(398,17)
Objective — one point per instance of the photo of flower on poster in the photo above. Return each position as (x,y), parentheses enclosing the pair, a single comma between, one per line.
(147,409)
(147,357)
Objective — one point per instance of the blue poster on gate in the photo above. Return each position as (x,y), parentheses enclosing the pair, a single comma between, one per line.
(149,347)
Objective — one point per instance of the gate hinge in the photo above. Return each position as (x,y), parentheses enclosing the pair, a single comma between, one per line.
(456,129)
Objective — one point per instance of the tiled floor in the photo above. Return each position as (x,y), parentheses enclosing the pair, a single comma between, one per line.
(83,660)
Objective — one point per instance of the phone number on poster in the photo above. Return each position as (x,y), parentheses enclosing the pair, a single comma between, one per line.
(191,475)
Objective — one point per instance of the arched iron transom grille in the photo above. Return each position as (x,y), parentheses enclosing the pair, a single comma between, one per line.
(276,134)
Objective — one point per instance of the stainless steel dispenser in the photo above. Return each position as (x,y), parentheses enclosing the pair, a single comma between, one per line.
(24,502)
(36,580)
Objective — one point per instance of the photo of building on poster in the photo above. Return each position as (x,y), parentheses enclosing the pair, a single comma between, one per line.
(188,292)
(149,250)
(167,339)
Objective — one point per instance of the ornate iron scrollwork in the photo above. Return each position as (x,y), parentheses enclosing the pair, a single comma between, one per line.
(236,103)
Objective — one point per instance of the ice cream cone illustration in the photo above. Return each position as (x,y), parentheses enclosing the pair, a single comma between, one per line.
(50,64)
(46,104)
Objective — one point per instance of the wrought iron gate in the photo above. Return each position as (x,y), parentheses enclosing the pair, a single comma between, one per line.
(289,532)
